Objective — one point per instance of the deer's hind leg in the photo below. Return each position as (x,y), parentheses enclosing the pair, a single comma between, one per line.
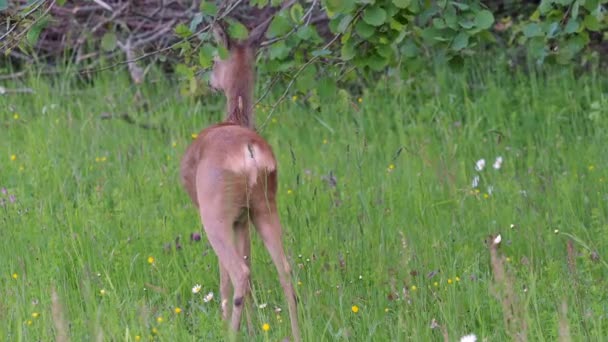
(219,209)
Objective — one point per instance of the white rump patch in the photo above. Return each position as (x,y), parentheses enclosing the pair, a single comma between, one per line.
(250,161)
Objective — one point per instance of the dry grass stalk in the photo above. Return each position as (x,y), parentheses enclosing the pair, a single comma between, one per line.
(503,289)
(61,327)
(564,324)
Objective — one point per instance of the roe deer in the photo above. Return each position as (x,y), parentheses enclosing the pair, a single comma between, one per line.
(230,173)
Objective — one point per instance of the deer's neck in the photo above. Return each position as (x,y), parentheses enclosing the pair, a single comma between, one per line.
(240,108)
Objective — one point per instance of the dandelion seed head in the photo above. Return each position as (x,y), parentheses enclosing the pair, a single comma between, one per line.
(475,182)
(497,163)
(497,239)
(468,338)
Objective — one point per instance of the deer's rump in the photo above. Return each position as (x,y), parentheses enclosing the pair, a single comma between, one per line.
(228,151)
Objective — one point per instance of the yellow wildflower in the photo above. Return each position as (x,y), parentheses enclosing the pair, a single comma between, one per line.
(102,292)
(457,279)
(35,315)
(160,319)
(13,157)
(289,191)
(294,98)
(359,100)
(449,280)
(177,310)
(486,196)
(150,260)
(265,326)
(15,276)
(154,331)
(137,337)
(29,322)
(414,288)
(16,116)
(355,308)
(436,284)
(194,135)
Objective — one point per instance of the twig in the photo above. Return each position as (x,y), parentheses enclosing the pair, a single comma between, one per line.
(5,91)
(293,80)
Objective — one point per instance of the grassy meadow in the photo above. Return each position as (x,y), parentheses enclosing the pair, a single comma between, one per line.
(387,237)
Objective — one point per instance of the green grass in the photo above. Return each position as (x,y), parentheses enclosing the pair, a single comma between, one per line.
(82,224)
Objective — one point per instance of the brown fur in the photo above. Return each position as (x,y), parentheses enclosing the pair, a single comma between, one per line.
(230,173)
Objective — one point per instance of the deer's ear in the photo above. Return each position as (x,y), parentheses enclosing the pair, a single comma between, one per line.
(220,35)
(256,36)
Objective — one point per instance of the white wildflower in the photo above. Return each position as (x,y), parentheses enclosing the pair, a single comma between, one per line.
(498,163)
(196,289)
(468,338)
(490,189)
(480,164)
(208,297)
(263,305)
(497,239)
(475,182)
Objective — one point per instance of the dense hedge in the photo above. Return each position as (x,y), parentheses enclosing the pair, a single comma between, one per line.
(371,35)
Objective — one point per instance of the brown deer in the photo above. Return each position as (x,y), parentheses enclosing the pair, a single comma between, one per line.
(230,173)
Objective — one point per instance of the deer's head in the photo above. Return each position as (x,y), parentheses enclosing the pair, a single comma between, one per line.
(237,71)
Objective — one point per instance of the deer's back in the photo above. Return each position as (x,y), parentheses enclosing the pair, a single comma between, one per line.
(228,149)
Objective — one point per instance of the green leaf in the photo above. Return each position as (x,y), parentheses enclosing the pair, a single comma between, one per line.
(461,41)
(461,6)
(108,41)
(205,55)
(183,70)
(591,23)
(296,12)
(222,52)
(236,30)
(572,26)
(402,3)
(532,30)
(182,31)
(307,79)
(364,30)
(376,62)
(374,16)
(339,6)
(34,32)
(278,50)
(320,53)
(591,5)
(384,50)
(305,32)
(278,27)
(196,20)
(484,19)
(438,23)
(410,49)
(348,50)
(208,8)
(344,22)
(466,24)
